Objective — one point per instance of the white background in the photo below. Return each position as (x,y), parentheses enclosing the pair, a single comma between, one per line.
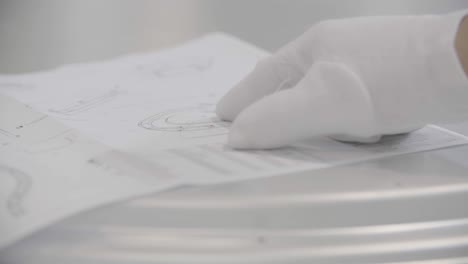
(40,34)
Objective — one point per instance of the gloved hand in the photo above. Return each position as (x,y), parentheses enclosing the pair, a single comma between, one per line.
(354,80)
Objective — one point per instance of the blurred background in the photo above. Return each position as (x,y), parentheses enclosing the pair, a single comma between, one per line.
(42,34)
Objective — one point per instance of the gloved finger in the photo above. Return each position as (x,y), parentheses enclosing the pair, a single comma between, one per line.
(277,72)
(329,100)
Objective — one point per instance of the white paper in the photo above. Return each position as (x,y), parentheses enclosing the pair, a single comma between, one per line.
(154,114)
(142,100)
(214,162)
(49,171)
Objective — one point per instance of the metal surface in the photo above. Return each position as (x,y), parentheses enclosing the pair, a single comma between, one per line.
(406,209)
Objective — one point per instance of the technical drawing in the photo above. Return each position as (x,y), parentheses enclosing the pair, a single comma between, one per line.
(86,103)
(23,125)
(57,142)
(6,137)
(7,134)
(197,121)
(23,183)
(167,69)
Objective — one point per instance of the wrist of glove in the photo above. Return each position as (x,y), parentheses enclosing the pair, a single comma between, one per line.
(354,80)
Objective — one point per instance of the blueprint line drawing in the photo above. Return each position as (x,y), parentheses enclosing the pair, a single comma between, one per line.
(167,69)
(85,104)
(57,142)
(23,185)
(191,121)
(7,137)
(31,122)
(7,133)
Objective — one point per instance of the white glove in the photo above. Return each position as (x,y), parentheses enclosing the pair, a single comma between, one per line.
(354,80)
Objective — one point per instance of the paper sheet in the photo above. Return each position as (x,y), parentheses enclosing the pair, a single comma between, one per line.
(150,101)
(214,162)
(153,114)
(49,171)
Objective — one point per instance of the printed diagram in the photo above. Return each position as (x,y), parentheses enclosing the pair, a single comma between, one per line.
(8,134)
(198,121)
(86,103)
(54,143)
(6,137)
(169,69)
(53,138)
(22,186)
(13,130)
(31,122)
